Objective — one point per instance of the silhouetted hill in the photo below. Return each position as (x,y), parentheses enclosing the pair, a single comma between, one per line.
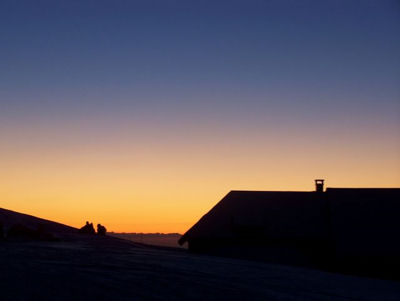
(11,220)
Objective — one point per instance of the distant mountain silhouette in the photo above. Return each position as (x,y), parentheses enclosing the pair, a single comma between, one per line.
(156,239)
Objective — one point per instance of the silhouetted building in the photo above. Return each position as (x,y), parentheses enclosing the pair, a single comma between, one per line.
(338,226)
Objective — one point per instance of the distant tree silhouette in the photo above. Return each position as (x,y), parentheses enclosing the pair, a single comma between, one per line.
(101,230)
(87,229)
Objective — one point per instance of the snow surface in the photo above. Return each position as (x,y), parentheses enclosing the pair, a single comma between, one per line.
(106,268)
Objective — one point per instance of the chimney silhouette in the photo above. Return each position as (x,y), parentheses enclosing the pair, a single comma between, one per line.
(319,185)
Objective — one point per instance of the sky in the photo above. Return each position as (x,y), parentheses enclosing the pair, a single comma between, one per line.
(141,115)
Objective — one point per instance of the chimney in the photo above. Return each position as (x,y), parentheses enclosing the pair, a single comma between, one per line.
(319,185)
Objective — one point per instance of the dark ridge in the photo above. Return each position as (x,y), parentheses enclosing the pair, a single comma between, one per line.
(25,226)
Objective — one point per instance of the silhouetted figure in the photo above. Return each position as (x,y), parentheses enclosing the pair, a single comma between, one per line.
(101,230)
(87,229)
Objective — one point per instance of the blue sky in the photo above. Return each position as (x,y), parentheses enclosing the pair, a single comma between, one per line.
(283,89)
(64,53)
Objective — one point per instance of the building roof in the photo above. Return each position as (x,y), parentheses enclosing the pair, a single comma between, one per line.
(293,215)
(283,214)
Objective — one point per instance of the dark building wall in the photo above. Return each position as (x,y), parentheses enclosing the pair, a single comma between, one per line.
(301,252)
(365,221)
(285,227)
(365,231)
(350,230)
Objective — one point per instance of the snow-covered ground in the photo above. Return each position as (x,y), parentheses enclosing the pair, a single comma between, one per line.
(106,268)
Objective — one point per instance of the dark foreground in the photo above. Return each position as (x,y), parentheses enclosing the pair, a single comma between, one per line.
(105,268)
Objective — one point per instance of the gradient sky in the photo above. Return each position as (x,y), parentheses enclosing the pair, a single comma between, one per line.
(141,115)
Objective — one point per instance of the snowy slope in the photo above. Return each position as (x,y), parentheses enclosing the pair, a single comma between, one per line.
(111,269)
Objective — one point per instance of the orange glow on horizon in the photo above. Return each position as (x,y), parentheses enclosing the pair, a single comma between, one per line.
(139,184)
